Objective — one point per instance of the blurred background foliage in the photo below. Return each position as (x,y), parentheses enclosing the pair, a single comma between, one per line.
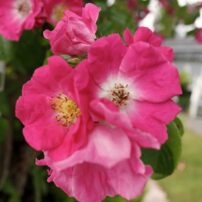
(184,100)
(20,179)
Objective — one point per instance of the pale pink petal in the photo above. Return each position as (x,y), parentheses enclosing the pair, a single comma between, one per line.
(89,182)
(103,148)
(107,111)
(144,139)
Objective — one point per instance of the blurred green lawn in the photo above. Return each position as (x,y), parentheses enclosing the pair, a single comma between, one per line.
(185,185)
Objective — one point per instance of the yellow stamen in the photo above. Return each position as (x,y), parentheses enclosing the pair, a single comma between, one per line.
(66,109)
(58,12)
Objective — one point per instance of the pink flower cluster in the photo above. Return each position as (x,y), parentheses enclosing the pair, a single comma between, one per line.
(91,121)
(19,15)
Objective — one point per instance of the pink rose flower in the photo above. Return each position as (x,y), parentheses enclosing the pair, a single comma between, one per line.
(55,8)
(198,35)
(54,109)
(17,16)
(146,35)
(101,168)
(133,86)
(74,34)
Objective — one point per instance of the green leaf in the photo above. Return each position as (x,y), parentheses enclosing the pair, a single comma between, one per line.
(165,160)
(117,199)
(11,191)
(120,199)
(38,183)
(28,53)
(3,128)
(4,49)
(179,125)
(114,18)
(4,105)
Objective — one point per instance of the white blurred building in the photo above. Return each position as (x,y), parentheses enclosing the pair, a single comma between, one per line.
(188,57)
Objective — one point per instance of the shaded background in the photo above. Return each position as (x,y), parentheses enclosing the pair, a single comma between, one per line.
(175,21)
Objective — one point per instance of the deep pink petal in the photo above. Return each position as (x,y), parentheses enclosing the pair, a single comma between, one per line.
(198,35)
(128,37)
(146,35)
(86,182)
(151,119)
(31,108)
(75,139)
(74,34)
(151,73)
(50,5)
(13,23)
(42,130)
(105,57)
(45,79)
(168,53)
(44,136)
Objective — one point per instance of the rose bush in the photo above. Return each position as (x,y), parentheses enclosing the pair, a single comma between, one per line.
(100,112)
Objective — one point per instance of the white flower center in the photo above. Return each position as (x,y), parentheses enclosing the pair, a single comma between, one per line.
(22,8)
(119,90)
(58,12)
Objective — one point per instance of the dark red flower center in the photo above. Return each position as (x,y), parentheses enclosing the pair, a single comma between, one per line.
(119,94)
